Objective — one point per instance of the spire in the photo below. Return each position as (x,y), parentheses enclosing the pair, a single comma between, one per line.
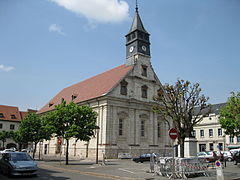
(137,22)
(136,6)
(137,39)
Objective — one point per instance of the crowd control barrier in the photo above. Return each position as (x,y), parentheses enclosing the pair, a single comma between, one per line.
(183,167)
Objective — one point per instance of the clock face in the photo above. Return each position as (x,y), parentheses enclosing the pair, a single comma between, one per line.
(131,49)
(144,48)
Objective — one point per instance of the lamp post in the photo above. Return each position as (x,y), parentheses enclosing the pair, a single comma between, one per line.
(97,132)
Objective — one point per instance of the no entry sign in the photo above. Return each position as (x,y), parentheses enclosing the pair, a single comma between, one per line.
(173,133)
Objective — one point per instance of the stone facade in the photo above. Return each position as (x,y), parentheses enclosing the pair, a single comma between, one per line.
(142,130)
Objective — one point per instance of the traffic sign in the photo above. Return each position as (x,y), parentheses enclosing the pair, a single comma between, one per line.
(173,133)
(218,164)
(59,141)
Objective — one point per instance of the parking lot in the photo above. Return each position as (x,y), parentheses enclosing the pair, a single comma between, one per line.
(114,169)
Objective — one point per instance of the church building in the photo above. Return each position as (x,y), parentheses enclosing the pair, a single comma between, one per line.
(123,100)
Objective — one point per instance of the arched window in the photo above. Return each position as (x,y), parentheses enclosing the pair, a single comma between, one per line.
(123,89)
(122,123)
(159,129)
(144,91)
(120,127)
(142,128)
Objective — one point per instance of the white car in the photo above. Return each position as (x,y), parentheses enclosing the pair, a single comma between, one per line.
(7,150)
(227,155)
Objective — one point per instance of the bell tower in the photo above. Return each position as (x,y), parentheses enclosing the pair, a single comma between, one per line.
(137,39)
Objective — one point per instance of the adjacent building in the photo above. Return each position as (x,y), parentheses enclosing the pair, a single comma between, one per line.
(209,134)
(123,100)
(10,118)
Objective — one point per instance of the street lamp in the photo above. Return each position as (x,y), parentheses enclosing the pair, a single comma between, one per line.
(97,132)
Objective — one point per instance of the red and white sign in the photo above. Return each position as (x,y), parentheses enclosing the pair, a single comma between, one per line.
(173,133)
(59,141)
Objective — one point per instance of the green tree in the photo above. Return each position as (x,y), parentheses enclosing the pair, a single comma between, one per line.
(32,129)
(3,137)
(18,139)
(230,115)
(184,104)
(71,120)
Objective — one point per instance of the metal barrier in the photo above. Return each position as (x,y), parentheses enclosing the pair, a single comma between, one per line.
(183,167)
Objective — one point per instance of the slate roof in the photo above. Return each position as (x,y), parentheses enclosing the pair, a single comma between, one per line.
(215,108)
(91,88)
(137,24)
(8,111)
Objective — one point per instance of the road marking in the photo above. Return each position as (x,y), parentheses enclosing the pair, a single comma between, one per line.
(89,173)
(126,170)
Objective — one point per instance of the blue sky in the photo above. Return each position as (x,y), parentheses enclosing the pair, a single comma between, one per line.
(47,45)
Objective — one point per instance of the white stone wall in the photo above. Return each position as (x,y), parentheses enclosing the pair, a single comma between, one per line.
(132,108)
(210,122)
(6,127)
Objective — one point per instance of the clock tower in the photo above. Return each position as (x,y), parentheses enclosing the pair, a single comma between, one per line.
(137,39)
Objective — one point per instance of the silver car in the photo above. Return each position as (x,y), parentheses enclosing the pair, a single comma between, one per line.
(17,163)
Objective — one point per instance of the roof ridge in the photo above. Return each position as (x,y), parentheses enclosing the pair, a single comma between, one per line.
(92,77)
(90,88)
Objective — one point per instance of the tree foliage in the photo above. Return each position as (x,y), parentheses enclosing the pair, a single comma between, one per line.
(33,129)
(184,104)
(230,115)
(4,135)
(71,120)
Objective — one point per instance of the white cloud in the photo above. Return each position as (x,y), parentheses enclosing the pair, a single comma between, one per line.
(103,11)
(6,68)
(56,28)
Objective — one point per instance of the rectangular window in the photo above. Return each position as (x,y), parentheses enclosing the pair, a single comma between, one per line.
(211,146)
(238,139)
(158,129)
(194,133)
(210,132)
(120,127)
(123,88)
(144,91)
(12,126)
(1,115)
(220,146)
(142,128)
(219,131)
(231,139)
(202,147)
(201,133)
(1,125)
(13,116)
(144,70)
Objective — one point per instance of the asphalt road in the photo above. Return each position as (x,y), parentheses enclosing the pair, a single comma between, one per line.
(48,174)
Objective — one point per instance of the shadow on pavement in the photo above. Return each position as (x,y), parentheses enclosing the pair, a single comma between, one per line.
(42,174)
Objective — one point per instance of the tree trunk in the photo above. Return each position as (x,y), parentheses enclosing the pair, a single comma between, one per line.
(181,142)
(34,149)
(67,151)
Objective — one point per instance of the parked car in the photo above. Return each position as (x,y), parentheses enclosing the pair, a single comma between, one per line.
(26,150)
(236,157)
(210,156)
(227,155)
(17,163)
(142,158)
(8,150)
(124,156)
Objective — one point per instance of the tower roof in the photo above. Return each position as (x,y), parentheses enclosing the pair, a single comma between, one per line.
(137,23)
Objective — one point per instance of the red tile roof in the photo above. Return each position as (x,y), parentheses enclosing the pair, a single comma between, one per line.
(93,87)
(8,112)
